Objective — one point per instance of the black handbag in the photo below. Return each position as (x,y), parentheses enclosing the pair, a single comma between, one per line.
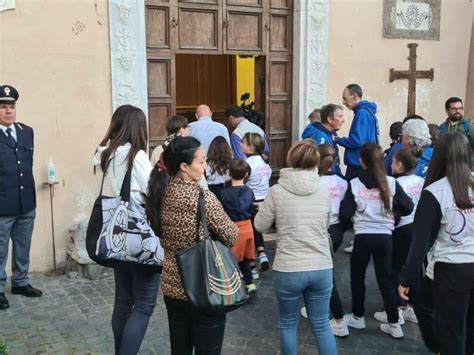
(209,272)
(118,233)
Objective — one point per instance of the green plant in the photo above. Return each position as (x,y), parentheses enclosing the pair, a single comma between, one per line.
(3,347)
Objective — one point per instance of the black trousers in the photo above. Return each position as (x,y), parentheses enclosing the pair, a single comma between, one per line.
(336,231)
(424,310)
(352,172)
(453,295)
(380,247)
(401,239)
(191,329)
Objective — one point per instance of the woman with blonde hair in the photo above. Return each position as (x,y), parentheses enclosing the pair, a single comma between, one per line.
(299,206)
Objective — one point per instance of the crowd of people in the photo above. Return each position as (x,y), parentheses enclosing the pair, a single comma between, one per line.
(410,208)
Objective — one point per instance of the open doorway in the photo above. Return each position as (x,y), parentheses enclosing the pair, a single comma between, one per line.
(218,81)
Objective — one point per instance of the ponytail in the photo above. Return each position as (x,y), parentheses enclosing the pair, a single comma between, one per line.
(327,156)
(409,158)
(372,156)
(159,179)
(180,150)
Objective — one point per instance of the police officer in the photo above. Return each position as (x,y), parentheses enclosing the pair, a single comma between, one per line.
(17,197)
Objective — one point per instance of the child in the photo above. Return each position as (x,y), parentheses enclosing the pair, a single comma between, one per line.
(219,156)
(337,188)
(259,181)
(237,201)
(369,201)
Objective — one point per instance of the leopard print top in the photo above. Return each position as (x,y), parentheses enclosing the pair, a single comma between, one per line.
(178,228)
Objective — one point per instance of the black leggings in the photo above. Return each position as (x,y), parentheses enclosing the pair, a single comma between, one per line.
(402,237)
(379,246)
(453,296)
(336,231)
(191,329)
(257,236)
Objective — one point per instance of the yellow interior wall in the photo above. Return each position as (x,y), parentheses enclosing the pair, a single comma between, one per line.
(245,68)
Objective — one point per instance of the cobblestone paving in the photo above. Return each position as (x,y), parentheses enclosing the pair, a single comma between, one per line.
(73,317)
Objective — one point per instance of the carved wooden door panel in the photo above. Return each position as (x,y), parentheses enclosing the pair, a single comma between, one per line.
(245,26)
(161,29)
(199,26)
(279,83)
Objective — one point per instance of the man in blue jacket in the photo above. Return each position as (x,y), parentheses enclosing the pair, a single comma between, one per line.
(332,118)
(364,128)
(17,197)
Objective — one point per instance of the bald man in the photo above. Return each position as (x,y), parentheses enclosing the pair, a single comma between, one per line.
(205,129)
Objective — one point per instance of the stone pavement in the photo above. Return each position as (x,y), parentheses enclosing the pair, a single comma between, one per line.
(73,317)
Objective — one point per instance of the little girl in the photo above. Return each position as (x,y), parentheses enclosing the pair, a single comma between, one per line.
(404,164)
(369,201)
(259,181)
(237,201)
(337,188)
(219,156)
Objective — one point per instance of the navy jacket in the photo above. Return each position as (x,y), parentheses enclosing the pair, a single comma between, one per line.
(238,202)
(17,185)
(364,129)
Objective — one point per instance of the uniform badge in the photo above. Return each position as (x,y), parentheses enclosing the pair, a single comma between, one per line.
(7,90)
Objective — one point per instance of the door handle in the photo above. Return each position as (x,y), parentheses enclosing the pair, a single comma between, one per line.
(174,22)
(267,27)
(225,23)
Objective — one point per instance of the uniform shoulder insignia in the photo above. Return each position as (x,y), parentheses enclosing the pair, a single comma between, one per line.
(22,125)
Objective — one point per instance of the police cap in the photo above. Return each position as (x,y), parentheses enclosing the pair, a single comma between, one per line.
(8,94)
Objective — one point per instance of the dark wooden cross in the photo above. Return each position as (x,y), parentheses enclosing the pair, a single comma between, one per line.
(412,74)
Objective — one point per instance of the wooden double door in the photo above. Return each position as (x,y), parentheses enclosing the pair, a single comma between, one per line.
(261,28)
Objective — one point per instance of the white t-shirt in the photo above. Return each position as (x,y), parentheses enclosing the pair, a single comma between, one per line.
(259,180)
(337,189)
(455,241)
(370,216)
(412,185)
(117,169)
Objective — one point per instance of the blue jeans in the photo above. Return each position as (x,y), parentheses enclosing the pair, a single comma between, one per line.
(19,229)
(135,300)
(315,287)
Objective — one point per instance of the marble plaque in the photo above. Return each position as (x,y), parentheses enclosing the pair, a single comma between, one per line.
(7,5)
(412,19)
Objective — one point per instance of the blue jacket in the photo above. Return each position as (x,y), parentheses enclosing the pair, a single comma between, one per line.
(423,162)
(309,131)
(321,135)
(364,129)
(388,159)
(17,186)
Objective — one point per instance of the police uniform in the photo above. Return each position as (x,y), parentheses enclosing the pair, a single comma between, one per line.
(17,200)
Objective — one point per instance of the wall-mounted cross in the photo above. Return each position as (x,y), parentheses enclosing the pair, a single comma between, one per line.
(412,74)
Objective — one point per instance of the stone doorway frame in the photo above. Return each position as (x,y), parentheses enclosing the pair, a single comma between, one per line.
(310,56)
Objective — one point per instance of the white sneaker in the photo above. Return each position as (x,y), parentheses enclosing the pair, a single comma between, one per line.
(409,314)
(382,317)
(303,312)
(349,249)
(394,329)
(339,329)
(255,274)
(354,322)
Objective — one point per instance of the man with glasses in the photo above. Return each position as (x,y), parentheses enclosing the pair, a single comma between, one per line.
(456,122)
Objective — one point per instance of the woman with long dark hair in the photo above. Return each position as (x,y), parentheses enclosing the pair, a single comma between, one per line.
(444,231)
(172,210)
(219,156)
(370,201)
(124,147)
